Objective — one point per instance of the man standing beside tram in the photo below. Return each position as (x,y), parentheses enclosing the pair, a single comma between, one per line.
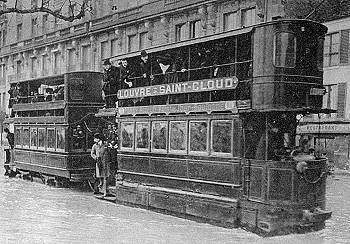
(100,153)
(8,151)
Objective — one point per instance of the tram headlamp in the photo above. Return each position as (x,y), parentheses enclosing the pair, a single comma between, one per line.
(301,166)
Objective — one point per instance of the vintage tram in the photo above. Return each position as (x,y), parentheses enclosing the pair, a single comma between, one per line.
(53,120)
(211,133)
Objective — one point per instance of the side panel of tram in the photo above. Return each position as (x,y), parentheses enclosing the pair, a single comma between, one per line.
(52,134)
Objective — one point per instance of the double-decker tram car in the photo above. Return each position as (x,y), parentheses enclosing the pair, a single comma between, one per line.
(210,132)
(53,118)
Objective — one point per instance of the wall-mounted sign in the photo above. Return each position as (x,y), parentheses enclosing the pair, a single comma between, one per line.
(324,128)
(177,88)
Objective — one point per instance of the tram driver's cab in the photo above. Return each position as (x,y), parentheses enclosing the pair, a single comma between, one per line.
(270,136)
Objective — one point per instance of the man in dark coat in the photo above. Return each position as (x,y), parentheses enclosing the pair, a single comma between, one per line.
(125,75)
(11,140)
(110,83)
(150,71)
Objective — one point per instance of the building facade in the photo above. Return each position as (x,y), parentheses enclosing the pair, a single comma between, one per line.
(39,45)
(331,132)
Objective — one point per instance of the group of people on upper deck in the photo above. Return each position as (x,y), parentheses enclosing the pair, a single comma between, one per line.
(160,69)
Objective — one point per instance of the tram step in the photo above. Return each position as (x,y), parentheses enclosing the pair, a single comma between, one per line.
(108,198)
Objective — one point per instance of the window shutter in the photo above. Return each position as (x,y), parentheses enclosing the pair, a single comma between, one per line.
(341,101)
(344,46)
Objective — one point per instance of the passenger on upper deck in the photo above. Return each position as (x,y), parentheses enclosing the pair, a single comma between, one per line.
(110,83)
(59,93)
(149,70)
(125,75)
(49,94)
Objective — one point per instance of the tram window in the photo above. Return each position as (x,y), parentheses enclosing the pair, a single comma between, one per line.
(198,136)
(79,138)
(18,134)
(159,135)
(178,136)
(221,136)
(33,138)
(142,135)
(25,137)
(244,49)
(60,138)
(51,139)
(41,138)
(127,130)
(285,50)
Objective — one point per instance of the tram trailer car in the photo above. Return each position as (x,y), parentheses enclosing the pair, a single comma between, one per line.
(217,141)
(53,120)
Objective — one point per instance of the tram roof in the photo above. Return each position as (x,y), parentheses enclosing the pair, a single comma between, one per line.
(52,78)
(212,37)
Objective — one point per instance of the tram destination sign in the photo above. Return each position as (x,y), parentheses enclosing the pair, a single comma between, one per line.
(177,88)
(207,107)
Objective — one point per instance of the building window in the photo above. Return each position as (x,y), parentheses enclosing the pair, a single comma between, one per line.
(114,47)
(19,67)
(132,44)
(34,26)
(19,32)
(45,23)
(2,35)
(104,49)
(56,62)
(4,100)
(33,67)
(195,28)
(142,40)
(248,17)
(44,64)
(180,32)
(230,21)
(71,60)
(331,49)
(55,23)
(86,57)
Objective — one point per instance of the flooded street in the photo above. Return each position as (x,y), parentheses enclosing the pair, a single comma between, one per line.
(35,213)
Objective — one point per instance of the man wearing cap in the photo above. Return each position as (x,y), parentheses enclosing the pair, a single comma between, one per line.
(110,83)
(99,153)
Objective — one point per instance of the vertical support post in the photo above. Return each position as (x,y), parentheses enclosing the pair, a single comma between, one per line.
(266,138)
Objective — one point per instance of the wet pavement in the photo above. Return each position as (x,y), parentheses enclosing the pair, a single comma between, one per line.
(32,212)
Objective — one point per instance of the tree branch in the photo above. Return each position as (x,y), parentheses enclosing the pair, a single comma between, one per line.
(43,9)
